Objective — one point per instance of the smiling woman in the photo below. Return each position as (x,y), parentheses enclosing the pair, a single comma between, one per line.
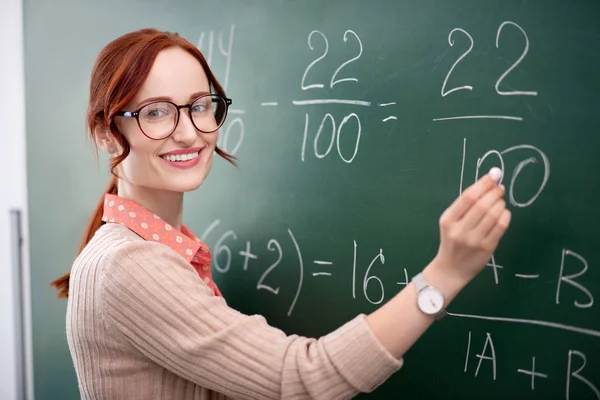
(149,72)
(145,320)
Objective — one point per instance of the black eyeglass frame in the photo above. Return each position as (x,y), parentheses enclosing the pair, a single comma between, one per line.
(136,114)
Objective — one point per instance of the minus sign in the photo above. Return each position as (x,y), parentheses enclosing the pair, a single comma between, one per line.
(527,276)
(269,103)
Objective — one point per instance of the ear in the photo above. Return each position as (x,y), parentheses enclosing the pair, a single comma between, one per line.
(105,140)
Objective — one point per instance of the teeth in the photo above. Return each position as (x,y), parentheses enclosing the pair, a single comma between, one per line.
(181,157)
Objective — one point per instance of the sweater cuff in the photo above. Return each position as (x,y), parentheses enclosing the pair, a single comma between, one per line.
(359,356)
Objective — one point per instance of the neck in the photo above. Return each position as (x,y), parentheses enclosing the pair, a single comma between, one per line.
(166,204)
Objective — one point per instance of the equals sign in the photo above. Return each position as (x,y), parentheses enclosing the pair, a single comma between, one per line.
(322,263)
(391,117)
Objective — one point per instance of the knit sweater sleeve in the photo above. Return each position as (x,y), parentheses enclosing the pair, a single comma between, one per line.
(156,300)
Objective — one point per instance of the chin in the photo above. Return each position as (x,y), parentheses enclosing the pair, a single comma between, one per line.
(185,185)
(185,180)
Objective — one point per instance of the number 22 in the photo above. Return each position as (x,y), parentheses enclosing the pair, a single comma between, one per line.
(333,81)
(513,66)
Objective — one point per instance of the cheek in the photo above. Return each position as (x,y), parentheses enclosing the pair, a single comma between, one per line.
(136,166)
(211,139)
(140,147)
(141,160)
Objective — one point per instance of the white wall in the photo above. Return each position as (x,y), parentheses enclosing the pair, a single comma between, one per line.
(13,195)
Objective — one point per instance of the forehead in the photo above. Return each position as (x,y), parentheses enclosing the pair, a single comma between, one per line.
(176,74)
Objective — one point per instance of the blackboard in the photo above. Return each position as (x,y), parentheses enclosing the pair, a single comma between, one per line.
(356,124)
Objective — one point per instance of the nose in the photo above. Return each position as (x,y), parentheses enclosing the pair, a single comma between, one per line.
(185,131)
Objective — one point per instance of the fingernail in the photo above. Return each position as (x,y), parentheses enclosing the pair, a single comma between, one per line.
(495,173)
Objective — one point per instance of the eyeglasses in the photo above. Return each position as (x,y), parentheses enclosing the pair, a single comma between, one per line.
(158,120)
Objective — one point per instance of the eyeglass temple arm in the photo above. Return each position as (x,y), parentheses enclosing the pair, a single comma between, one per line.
(127,113)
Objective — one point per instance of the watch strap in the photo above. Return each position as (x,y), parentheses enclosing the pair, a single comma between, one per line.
(440,315)
(420,282)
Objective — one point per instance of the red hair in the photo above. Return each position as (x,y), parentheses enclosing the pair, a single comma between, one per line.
(118,74)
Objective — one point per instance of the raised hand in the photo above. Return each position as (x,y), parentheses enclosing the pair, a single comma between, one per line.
(472,227)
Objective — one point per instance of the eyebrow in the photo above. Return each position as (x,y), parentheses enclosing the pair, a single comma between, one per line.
(167,98)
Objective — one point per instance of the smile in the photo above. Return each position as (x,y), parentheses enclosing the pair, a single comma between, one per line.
(181,157)
(185,158)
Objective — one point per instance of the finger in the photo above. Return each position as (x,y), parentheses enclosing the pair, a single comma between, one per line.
(500,227)
(473,193)
(481,208)
(490,219)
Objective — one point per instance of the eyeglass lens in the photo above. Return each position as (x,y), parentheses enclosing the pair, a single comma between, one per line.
(158,119)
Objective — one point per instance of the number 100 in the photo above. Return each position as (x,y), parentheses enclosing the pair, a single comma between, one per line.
(336,134)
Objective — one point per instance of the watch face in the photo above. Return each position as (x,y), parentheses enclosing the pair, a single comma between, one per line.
(430,301)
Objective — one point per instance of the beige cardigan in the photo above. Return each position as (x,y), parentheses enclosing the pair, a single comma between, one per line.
(142,325)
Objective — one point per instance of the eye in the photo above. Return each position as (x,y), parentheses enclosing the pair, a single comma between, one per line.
(156,111)
(201,106)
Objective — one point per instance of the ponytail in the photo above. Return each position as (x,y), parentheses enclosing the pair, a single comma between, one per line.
(62,284)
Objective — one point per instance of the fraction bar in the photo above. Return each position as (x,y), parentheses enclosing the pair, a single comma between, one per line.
(269,104)
(331,101)
(509,117)
(548,324)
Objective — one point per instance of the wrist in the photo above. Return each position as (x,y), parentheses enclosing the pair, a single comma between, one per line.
(441,276)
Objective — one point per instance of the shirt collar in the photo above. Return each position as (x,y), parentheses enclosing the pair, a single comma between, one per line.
(150,226)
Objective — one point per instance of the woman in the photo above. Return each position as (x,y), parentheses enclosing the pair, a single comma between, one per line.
(144,318)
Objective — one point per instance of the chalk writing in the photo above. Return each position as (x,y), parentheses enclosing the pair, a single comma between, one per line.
(570,279)
(574,375)
(533,373)
(491,357)
(335,137)
(247,254)
(273,245)
(233,128)
(336,132)
(516,172)
(445,92)
(333,82)
(369,283)
(521,57)
(451,43)
(225,51)
(577,374)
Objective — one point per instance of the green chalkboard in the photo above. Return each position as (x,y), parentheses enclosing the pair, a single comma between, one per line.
(356,124)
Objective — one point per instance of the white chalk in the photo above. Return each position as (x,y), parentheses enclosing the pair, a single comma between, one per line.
(495,173)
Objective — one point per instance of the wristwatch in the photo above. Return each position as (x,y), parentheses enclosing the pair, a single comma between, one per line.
(430,300)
